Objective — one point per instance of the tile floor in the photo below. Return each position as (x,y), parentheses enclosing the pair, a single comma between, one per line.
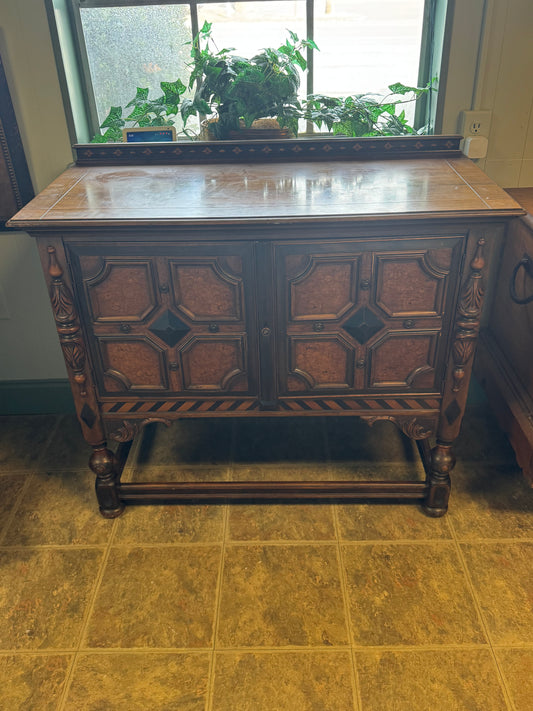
(263,607)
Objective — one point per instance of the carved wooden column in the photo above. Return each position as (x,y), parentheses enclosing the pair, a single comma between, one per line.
(102,462)
(455,393)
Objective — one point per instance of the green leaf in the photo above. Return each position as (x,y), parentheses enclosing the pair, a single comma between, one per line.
(140,97)
(114,118)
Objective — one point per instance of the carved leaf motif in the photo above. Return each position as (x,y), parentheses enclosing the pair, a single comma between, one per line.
(74,354)
(463,349)
(412,427)
(62,302)
(131,428)
(472,298)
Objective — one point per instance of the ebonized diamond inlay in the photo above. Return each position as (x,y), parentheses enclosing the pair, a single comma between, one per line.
(88,416)
(363,325)
(169,328)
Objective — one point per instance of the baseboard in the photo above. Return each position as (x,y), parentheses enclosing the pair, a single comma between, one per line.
(35,397)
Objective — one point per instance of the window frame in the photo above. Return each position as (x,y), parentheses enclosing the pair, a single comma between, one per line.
(85,127)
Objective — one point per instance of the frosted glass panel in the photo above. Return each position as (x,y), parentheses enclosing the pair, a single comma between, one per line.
(135,46)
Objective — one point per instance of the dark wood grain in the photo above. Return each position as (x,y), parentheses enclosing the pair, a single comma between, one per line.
(317,288)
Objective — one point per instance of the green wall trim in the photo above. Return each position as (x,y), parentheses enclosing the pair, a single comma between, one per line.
(32,397)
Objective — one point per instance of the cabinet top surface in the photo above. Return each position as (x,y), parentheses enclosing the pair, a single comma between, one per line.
(199,194)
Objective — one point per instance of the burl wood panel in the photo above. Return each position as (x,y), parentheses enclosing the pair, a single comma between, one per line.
(214,363)
(404,361)
(409,285)
(132,364)
(320,362)
(325,288)
(203,291)
(121,290)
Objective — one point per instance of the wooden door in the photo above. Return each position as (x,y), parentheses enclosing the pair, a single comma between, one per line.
(365,316)
(169,319)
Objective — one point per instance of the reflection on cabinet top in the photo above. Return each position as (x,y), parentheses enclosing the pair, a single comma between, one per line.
(254,192)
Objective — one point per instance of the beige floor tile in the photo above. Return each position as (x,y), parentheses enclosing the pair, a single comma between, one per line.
(43,596)
(490,501)
(156,597)
(280,471)
(502,575)
(366,522)
(153,473)
(10,488)
(139,682)
(195,441)
(375,471)
(279,439)
(31,681)
(481,439)
(59,508)
(352,439)
(68,450)
(281,595)
(410,595)
(188,523)
(447,680)
(297,522)
(282,681)
(22,440)
(517,669)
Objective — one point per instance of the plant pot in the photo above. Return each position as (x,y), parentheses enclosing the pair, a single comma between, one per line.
(261,129)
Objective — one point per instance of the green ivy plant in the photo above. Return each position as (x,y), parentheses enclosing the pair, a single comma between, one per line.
(366,114)
(145,112)
(230,89)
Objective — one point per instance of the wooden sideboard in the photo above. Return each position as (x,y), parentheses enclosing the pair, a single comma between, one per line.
(261,288)
(504,362)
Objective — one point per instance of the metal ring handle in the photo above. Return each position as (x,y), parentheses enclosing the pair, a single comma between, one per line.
(527,263)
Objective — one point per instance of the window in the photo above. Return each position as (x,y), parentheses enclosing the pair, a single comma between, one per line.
(117,45)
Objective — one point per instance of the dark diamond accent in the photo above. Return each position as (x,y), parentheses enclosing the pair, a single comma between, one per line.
(88,416)
(363,325)
(169,328)
(452,412)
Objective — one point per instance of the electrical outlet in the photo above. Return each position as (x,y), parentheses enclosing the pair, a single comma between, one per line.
(474,123)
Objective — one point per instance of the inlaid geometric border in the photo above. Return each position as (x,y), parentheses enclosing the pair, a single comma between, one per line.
(367,406)
(296,149)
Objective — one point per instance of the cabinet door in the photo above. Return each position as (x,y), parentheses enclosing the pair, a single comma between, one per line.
(168,319)
(365,316)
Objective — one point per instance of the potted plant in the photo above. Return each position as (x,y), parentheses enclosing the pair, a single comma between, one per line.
(366,114)
(234,92)
(145,112)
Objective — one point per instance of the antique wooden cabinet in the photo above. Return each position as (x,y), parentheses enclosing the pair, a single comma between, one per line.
(273,286)
(504,362)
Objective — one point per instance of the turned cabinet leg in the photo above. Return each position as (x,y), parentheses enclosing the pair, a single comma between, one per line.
(441,464)
(105,465)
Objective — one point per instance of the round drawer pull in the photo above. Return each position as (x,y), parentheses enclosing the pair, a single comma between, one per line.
(125,327)
(360,363)
(266,331)
(213,328)
(163,288)
(408,323)
(318,326)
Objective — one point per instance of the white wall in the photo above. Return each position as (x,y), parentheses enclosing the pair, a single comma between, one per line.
(29,347)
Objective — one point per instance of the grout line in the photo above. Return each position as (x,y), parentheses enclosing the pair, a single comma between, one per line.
(503,682)
(36,466)
(11,516)
(356,688)
(86,618)
(218,597)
